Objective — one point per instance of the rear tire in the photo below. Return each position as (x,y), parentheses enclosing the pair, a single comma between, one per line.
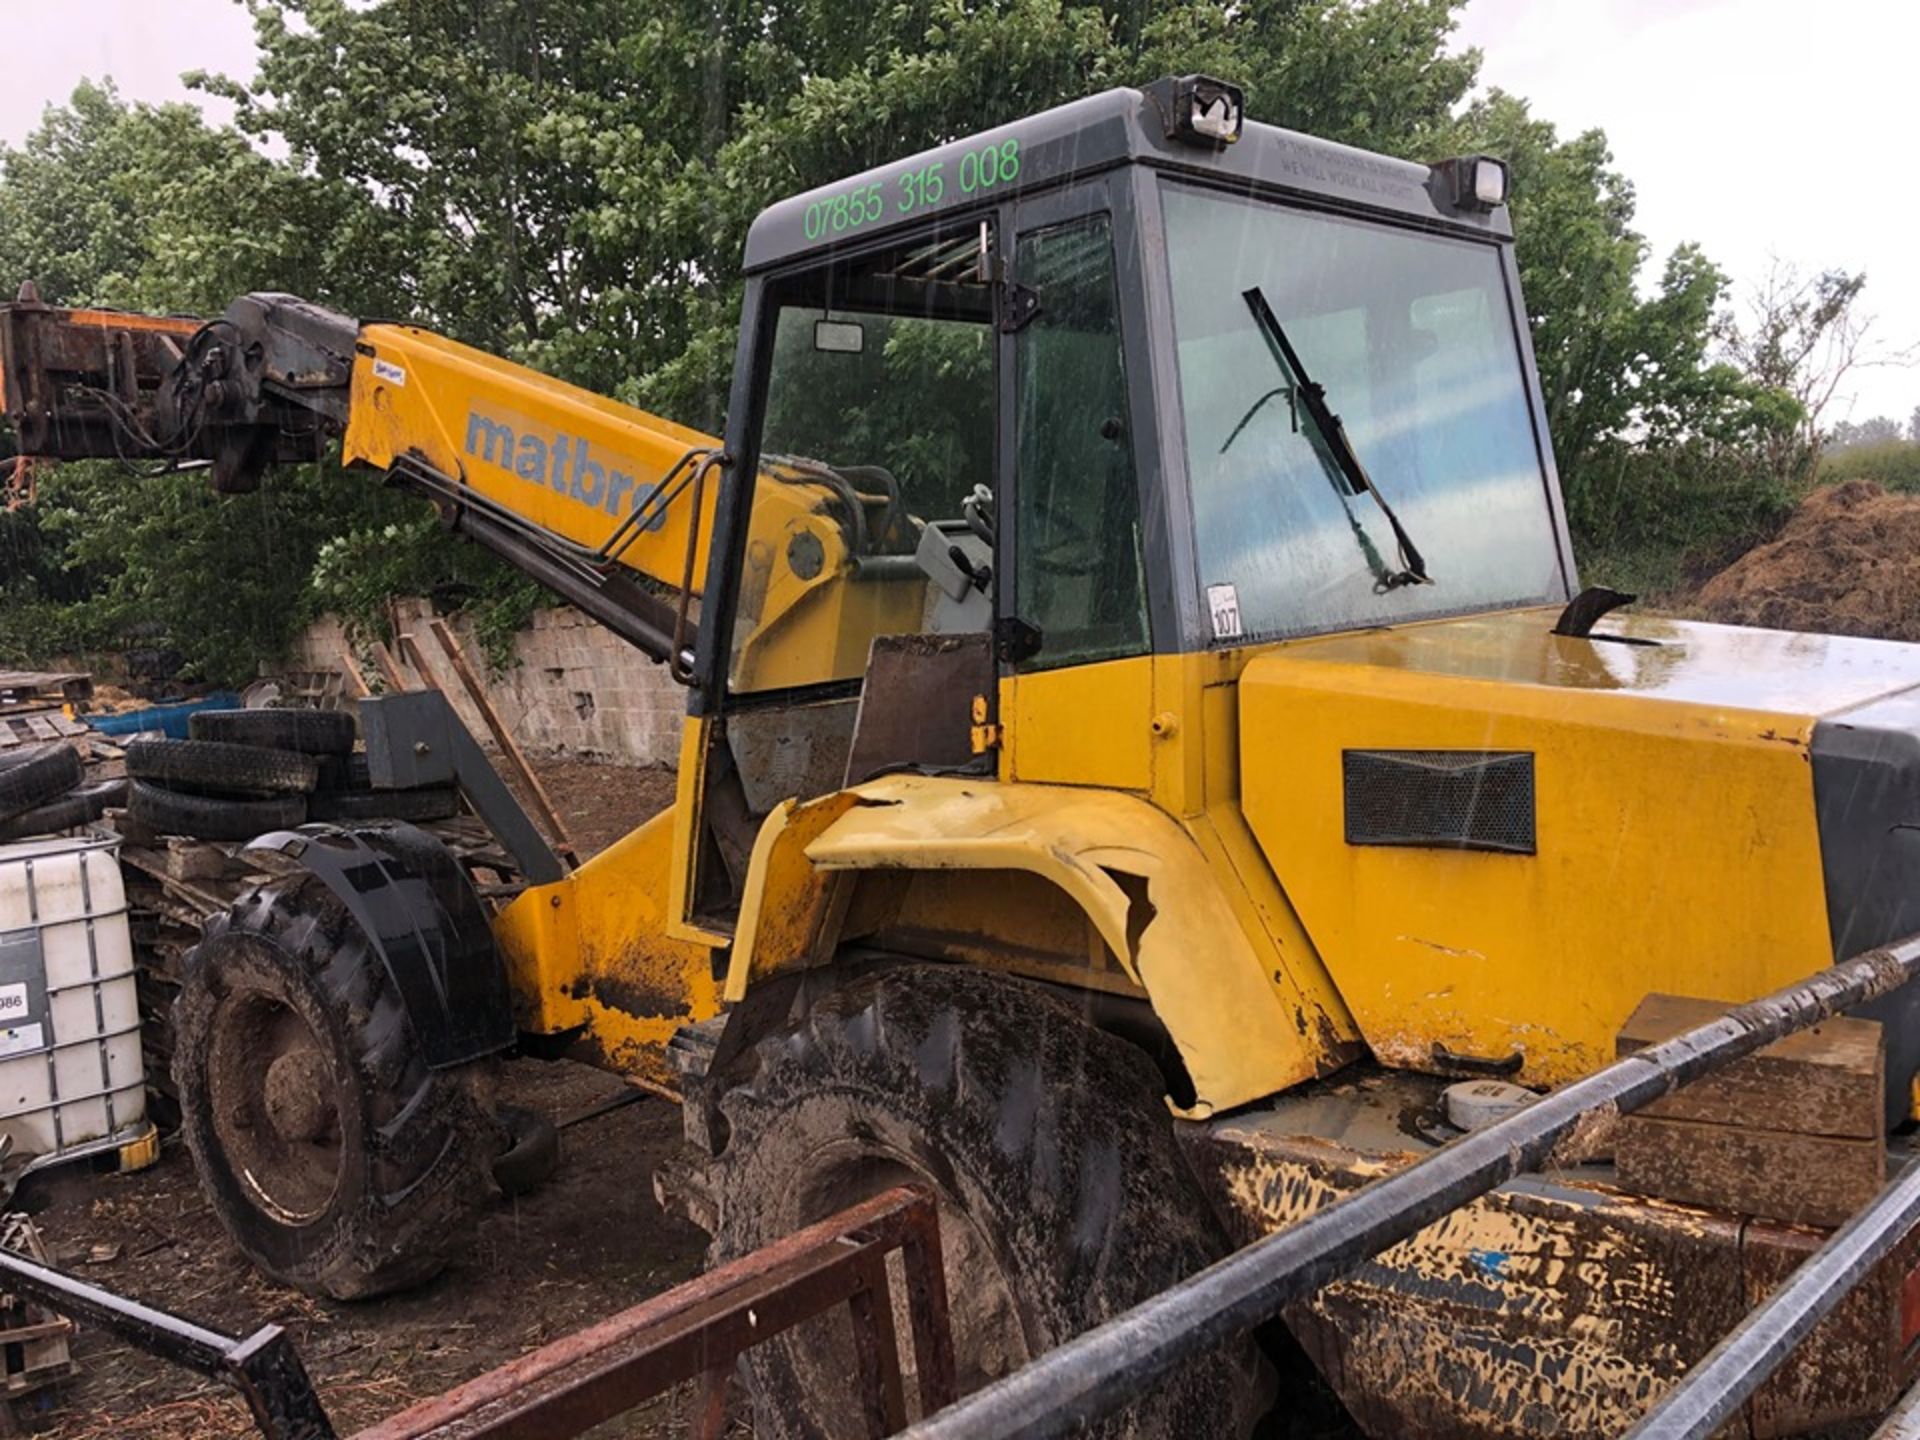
(212,767)
(172,813)
(1064,1199)
(32,777)
(311,732)
(335,1159)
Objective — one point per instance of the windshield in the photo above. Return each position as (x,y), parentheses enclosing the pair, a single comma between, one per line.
(1411,337)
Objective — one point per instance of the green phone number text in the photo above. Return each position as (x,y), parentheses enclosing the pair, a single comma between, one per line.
(980,169)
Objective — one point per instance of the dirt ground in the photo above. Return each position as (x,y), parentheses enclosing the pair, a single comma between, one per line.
(1847,563)
(589,1242)
(600,803)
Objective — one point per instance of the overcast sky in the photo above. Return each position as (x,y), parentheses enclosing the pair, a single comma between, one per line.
(1757,127)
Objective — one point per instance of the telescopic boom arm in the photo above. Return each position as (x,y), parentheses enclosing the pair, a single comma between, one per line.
(581,493)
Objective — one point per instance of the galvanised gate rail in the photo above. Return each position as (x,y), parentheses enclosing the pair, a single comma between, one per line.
(1103,1370)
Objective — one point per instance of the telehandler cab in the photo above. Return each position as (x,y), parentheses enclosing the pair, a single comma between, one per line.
(1145,742)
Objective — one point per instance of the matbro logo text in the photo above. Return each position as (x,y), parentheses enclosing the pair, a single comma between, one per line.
(566,464)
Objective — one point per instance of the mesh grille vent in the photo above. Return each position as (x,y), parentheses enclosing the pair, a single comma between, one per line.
(1456,799)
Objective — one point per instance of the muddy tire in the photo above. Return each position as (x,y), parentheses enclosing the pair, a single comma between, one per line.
(73,809)
(345,772)
(335,1159)
(310,732)
(1064,1199)
(212,767)
(32,777)
(172,813)
(435,802)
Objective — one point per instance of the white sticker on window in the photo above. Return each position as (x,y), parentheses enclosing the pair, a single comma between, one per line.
(1224,603)
(388,371)
(13,1002)
(22,1040)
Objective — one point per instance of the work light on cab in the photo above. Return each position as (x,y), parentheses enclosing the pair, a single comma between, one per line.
(1199,110)
(1472,182)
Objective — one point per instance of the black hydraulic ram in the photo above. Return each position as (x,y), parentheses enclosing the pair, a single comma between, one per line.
(1113,1364)
(264,1367)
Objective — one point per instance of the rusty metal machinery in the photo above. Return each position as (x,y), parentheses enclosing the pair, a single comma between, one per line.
(693,1332)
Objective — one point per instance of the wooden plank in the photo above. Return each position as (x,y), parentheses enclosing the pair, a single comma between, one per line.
(457,658)
(410,648)
(350,670)
(194,860)
(1799,1179)
(1828,1080)
(389,668)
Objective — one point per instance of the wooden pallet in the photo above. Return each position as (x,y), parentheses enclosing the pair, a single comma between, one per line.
(35,1344)
(57,687)
(36,727)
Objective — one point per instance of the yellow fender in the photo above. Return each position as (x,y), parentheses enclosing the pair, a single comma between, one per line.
(1177,936)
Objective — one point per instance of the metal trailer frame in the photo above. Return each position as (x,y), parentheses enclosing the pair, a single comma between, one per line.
(695,1331)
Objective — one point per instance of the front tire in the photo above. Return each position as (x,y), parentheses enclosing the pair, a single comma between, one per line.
(335,1159)
(1064,1199)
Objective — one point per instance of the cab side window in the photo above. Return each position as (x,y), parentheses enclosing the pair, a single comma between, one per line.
(1079,569)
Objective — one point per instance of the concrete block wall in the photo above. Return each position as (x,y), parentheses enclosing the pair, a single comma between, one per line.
(575,688)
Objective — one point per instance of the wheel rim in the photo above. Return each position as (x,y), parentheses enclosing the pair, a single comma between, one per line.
(274,1104)
(989,1339)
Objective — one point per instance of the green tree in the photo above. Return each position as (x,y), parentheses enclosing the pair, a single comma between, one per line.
(570,182)
(1611,361)
(149,208)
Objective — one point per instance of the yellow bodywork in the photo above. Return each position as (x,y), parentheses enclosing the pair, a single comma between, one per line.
(1172,826)
(1677,847)
(1150,892)
(580,465)
(1188,847)
(592,954)
(556,455)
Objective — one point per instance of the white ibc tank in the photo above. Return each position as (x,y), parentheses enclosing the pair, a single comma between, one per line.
(71,1077)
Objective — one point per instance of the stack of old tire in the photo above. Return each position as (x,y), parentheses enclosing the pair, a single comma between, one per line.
(242,773)
(42,792)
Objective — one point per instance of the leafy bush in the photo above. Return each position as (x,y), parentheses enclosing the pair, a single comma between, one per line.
(357,573)
(1656,521)
(1893,463)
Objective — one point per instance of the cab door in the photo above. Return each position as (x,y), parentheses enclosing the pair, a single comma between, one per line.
(1075,641)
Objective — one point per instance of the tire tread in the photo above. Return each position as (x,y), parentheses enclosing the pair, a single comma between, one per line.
(428,1132)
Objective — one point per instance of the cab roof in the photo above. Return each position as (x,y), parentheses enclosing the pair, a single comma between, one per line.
(1117,127)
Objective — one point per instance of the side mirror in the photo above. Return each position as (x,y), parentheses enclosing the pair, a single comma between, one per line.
(839,337)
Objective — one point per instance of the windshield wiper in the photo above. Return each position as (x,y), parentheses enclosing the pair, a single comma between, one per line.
(1313,399)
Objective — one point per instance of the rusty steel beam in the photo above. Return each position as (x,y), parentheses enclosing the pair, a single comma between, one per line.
(697,1330)
(1710,1394)
(1101,1371)
(264,1367)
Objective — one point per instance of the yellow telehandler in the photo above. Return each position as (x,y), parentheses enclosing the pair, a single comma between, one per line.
(1149,770)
